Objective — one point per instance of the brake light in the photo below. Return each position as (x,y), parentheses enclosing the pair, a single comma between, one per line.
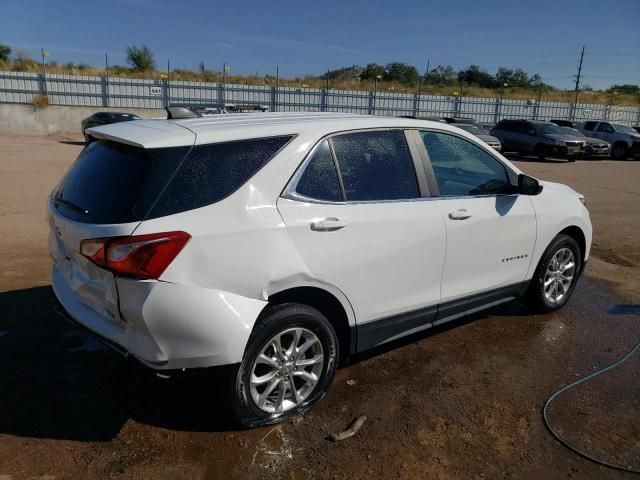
(138,256)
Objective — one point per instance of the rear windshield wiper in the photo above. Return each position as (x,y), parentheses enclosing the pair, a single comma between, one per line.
(70,205)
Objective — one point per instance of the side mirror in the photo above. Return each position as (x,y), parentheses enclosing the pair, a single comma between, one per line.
(528,185)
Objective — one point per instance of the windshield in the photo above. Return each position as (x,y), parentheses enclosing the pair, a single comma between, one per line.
(549,129)
(574,132)
(624,129)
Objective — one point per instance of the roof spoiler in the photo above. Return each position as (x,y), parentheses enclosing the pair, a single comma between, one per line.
(179,112)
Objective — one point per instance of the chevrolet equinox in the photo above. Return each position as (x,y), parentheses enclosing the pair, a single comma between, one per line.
(279,244)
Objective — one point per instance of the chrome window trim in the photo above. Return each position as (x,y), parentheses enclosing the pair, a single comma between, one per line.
(290,193)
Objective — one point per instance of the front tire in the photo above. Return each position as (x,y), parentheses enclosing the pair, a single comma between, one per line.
(619,151)
(289,362)
(556,276)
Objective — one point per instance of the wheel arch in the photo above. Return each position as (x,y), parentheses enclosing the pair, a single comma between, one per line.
(577,234)
(329,305)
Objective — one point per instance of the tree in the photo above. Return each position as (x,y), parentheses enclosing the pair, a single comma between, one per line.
(372,71)
(401,72)
(627,89)
(5,51)
(140,59)
(474,76)
(441,75)
(503,75)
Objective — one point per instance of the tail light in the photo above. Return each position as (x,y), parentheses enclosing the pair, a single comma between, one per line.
(139,256)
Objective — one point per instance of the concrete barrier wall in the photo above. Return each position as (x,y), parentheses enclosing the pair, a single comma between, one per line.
(16,119)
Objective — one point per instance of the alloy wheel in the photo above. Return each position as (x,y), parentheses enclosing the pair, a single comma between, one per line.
(287,370)
(559,275)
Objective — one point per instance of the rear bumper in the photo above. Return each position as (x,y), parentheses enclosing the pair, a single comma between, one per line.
(168,326)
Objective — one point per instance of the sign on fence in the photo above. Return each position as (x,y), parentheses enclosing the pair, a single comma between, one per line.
(155,91)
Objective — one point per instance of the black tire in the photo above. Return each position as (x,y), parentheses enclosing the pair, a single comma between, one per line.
(540,151)
(274,320)
(535,296)
(572,158)
(619,151)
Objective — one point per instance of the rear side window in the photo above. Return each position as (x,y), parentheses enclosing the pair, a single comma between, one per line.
(213,172)
(115,183)
(320,177)
(589,125)
(375,165)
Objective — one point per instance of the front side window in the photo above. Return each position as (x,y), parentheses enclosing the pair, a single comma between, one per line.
(376,165)
(320,178)
(462,168)
(589,125)
(605,127)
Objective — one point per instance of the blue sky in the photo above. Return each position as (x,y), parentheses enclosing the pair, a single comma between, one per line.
(540,36)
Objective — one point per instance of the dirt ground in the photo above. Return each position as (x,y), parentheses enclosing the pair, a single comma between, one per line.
(458,402)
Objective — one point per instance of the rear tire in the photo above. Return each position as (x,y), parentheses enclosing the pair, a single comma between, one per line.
(556,276)
(539,151)
(275,383)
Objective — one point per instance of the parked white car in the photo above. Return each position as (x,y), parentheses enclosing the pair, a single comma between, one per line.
(283,243)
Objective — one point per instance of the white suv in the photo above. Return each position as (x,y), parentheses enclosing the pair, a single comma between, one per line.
(281,244)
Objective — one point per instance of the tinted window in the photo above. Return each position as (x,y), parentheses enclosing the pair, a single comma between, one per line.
(375,166)
(212,172)
(115,183)
(462,168)
(508,126)
(589,125)
(605,127)
(320,178)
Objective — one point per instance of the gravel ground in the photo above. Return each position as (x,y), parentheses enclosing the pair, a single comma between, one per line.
(458,402)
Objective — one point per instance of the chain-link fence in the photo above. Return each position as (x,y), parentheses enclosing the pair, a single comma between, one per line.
(104,91)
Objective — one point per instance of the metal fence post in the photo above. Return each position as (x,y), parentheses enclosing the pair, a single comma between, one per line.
(105,91)
(372,104)
(221,94)
(273,100)
(323,100)
(496,113)
(416,104)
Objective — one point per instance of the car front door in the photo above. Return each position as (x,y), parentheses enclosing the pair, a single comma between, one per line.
(359,215)
(491,230)
(605,131)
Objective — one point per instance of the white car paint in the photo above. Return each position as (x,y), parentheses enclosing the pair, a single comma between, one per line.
(390,258)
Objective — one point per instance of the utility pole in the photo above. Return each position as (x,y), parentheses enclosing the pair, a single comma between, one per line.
(578,77)
(327,79)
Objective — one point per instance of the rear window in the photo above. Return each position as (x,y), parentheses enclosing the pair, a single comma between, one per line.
(115,183)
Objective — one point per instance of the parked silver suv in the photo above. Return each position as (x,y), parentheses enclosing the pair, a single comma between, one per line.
(543,139)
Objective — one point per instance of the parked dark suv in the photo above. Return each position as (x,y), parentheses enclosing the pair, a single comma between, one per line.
(543,139)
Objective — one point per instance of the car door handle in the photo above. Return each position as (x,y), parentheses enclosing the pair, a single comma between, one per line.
(329,224)
(460,214)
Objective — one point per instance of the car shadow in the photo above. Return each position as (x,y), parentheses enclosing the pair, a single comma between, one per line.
(60,383)
(72,142)
(507,309)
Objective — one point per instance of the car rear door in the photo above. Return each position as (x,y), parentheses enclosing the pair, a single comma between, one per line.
(361,221)
(491,230)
